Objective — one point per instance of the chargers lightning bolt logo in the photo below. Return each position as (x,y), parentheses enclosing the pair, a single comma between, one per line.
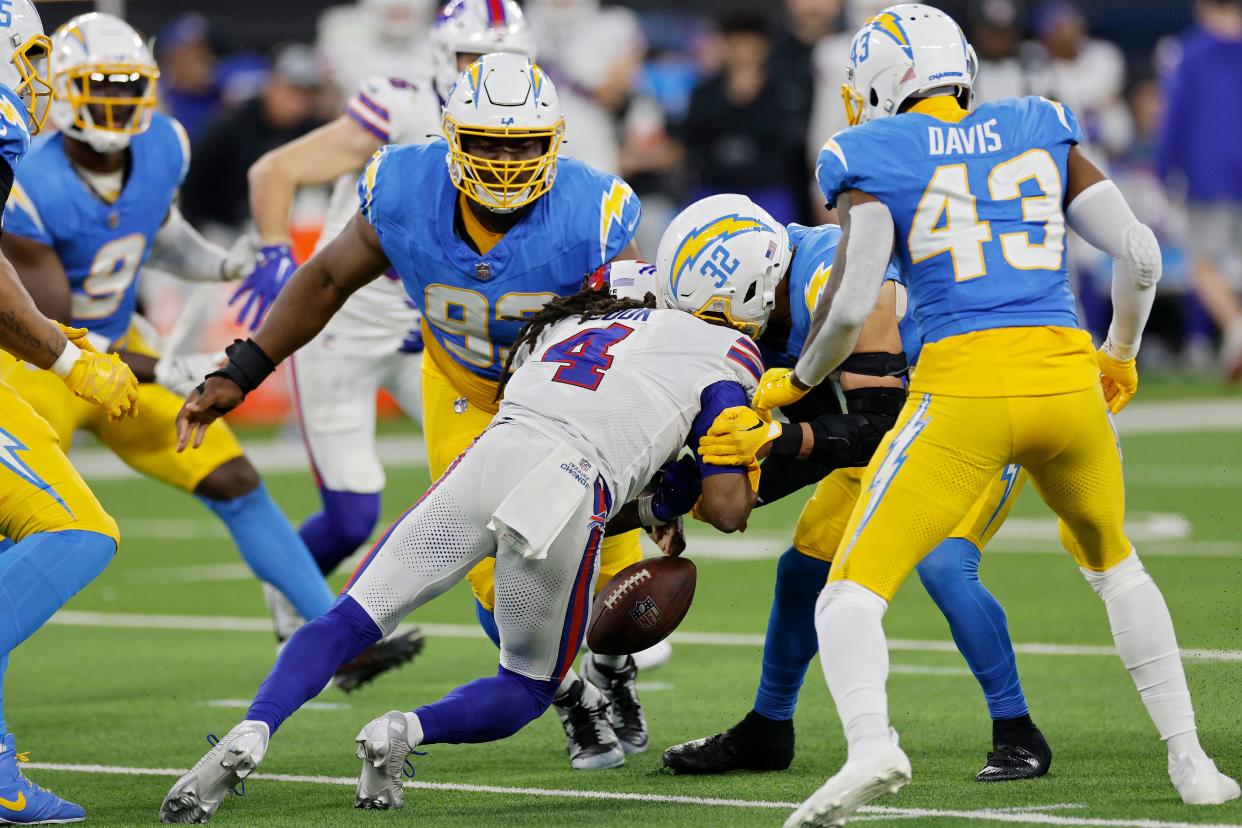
(9,447)
(698,240)
(815,286)
(890,24)
(611,210)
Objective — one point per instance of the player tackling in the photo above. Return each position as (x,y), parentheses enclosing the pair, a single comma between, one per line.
(976,209)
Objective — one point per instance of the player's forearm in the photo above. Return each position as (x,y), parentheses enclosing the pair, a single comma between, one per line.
(272,190)
(142,365)
(24,332)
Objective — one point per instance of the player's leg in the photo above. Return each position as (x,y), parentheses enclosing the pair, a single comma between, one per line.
(1081,480)
(950,574)
(764,738)
(927,472)
(62,539)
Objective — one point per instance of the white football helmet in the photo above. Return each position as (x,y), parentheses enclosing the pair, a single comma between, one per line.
(905,51)
(503,96)
(631,279)
(24,52)
(721,259)
(105,81)
(475,27)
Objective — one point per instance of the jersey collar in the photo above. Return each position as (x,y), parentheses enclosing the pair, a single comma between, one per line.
(941,107)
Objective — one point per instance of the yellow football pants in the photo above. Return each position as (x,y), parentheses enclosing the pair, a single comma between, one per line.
(40,490)
(450,425)
(147,442)
(932,467)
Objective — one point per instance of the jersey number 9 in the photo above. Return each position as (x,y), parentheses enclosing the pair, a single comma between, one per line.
(111,274)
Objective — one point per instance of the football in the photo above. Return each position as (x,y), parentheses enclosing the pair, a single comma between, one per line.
(641,605)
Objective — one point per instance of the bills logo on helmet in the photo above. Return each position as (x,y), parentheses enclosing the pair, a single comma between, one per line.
(701,238)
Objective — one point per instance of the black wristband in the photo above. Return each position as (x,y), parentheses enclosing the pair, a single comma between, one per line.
(789,442)
(247,365)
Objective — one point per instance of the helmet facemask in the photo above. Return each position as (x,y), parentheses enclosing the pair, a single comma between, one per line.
(502,186)
(111,102)
(35,89)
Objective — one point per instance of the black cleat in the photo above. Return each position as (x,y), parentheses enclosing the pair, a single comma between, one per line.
(382,656)
(1019,751)
(756,743)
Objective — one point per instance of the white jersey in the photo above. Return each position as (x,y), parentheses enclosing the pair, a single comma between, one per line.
(625,388)
(377,319)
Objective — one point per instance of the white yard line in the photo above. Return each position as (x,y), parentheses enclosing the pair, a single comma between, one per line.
(224,623)
(1035,815)
(244,704)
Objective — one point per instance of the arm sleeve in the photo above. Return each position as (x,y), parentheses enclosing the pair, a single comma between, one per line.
(181,250)
(712,400)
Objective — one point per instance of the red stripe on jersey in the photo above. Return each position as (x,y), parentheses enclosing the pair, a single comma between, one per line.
(746,344)
(746,361)
(496,12)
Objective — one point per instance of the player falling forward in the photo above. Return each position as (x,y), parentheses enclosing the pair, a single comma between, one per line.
(375,340)
(829,446)
(56,536)
(89,208)
(608,390)
(1006,376)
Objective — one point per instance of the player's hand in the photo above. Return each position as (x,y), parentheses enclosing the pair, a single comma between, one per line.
(273,267)
(1119,379)
(670,537)
(101,378)
(736,436)
(181,374)
(776,390)
(219,396)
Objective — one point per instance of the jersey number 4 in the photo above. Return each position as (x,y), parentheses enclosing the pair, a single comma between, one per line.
(584,356)
(946,220)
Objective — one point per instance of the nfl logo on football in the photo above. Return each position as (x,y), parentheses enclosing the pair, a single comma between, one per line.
(646,613)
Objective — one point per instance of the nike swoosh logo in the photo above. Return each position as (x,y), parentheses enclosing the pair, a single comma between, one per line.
(14,804)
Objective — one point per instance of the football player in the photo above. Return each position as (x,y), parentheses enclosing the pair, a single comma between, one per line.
(56,536)
(375,341)
(90,207)
(976,213)
(835,432)
(608,390)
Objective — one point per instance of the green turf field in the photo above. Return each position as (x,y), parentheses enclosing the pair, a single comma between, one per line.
(171,641)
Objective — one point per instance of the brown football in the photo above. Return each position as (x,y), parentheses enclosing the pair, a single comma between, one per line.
(641,605)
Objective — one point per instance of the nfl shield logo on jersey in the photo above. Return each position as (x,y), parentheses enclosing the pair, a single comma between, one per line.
(483,271)
(646,613)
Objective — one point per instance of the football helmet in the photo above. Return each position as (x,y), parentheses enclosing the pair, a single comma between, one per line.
(629,279)
(24,53)
(476,27)
(399,19)
(105,80)
(721,259)
(905,51)
(503,96)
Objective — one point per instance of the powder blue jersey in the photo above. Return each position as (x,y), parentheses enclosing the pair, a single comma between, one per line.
(14,128)
(978,210)
(583,221)
(101,246)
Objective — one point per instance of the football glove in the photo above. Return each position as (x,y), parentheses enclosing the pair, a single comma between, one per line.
(182,374)
(273,267)
(776,390)
(101,378)
(1119,379)
(677,490)
(735,437)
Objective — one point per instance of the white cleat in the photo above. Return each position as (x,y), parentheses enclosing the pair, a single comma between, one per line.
(197,794)
(654,656)
(884,770)
(383,749)
(1199,782)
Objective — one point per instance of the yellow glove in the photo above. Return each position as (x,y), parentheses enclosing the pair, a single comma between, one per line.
(1119,379)
(776,389)
(99,378)
(735,437)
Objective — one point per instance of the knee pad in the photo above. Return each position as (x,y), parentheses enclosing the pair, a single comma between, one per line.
(1118,579)
(848,593)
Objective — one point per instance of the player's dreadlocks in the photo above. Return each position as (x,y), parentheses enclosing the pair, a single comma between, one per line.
(588,303)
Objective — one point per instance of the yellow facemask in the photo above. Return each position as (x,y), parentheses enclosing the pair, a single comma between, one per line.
(87,88)
(502,185)
(719,309)
(35,89)
(854,104)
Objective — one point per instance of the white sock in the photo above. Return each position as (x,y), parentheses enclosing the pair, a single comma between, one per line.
(854,654)
(609,662)
(413,730)
(566,683)
(1145,640)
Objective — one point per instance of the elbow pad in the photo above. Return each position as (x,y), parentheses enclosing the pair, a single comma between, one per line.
(1144,254)
(1101,215)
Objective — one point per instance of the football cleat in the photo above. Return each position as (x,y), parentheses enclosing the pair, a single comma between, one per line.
(862,779)
(756,743)
(1019,751)
(624,710)
(197,794)
(384,749)
(382,656)
(22,802)
(1198,782)
(593,745)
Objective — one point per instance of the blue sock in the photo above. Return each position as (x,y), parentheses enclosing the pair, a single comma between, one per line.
(4,668)
(309,658)
(344,524)
(790,642)
(951,576)
(486,709)
(487,620)
(273,550)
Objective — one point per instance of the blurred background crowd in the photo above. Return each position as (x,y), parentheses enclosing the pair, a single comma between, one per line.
(701,96)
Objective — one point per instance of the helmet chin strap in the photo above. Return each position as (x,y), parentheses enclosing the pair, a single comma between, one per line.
(104,143)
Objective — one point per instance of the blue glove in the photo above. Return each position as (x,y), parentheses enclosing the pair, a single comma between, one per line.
(677,490)
(273,267)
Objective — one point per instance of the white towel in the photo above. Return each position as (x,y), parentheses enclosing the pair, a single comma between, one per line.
(538,508)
